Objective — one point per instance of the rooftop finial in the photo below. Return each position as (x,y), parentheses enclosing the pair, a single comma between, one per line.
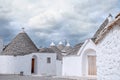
(68,44)
(110,17)
(23,29)
(60,43)
(52,44)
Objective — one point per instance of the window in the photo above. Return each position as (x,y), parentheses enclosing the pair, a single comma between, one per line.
(48,60)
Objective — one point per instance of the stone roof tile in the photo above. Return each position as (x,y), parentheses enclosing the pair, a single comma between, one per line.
(107,29)
(20,45)
(46,50)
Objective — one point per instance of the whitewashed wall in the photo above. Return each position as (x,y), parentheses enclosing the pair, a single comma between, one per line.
(73,65)
(108,60)
(44,68)
(22,63)
(88,48)
(5,64)
(16,64)
(58,68)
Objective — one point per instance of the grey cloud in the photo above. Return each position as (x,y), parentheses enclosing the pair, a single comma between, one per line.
(75,20)
(6,31)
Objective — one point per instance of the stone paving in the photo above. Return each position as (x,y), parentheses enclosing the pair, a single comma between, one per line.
(17,77)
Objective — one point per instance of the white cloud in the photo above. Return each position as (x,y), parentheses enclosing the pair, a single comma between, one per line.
(44,20)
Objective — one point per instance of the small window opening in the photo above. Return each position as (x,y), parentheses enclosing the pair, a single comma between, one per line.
(48,60)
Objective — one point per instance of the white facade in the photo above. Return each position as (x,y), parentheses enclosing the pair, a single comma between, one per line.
(77,65)
(17,64)
(108,60)
(44,68)
(58,68)
(71,66)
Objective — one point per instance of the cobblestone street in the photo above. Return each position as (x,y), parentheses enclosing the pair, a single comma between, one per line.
(17,77)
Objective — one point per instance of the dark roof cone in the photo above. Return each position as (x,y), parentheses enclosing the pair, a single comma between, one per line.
(20,45)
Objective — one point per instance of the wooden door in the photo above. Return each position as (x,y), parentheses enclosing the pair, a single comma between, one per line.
(33,66)
(92,70)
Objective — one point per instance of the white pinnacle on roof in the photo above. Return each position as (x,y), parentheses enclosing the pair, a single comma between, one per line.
(60,43)
(110,18)
(52,44)
(68,44)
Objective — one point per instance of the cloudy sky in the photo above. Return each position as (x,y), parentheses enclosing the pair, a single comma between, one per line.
(54,20)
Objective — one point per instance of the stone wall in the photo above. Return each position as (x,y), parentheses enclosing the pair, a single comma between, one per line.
(108,56)
(1,45)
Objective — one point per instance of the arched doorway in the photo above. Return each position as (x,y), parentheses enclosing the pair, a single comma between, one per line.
(89,63)
(34,65)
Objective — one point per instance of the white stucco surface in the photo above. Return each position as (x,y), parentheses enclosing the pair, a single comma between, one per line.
(71,66)
(108,52)
(16,64)
(44,68)
(58,68)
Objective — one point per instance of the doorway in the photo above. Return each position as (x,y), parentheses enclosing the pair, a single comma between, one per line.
(33,66)
(89,67)
(92,65)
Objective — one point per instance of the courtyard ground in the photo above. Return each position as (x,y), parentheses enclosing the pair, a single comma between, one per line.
(18,77)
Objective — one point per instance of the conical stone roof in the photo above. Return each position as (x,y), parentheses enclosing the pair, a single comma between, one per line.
(56,50)
(46,50)
(75,50)
(67,48)
(103,25)
(20,45)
